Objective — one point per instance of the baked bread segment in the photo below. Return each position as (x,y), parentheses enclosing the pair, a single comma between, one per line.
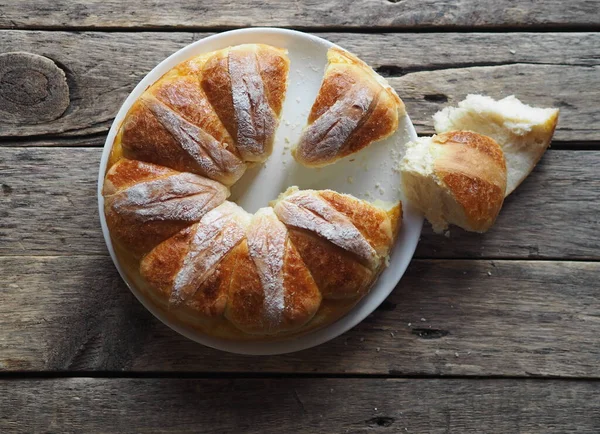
(246,86)
(271,289)
(457,178)
(155,133)
(193,269)
(354,107)
(344,241)
(523,132)
(146,204)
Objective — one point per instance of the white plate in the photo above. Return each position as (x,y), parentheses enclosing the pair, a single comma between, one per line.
(369,174)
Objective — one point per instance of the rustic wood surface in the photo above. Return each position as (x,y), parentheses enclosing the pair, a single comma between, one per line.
(512,316)
(300,405)
(49,207)
(446,317)
(387,14)
(429,71)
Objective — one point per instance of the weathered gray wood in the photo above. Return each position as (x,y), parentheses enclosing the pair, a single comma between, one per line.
(311,405)
(447,317)
(428,70)
(48,206)
(32,89)
(396,14)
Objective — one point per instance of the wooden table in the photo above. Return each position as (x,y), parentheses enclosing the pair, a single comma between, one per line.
(485,333)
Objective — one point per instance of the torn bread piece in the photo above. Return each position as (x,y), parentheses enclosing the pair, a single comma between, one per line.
(523,132)
(456,178)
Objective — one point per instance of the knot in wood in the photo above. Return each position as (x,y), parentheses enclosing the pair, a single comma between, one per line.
(33,89)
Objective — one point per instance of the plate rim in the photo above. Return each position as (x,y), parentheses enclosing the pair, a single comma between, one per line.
(356,315)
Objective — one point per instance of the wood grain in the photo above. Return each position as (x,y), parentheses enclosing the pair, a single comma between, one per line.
(48,206)
(389,14)
(428,70)
(311,405)
(447,317)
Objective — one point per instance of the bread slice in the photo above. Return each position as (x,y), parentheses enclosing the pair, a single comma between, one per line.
(523,132)
(455,178)
(354,107)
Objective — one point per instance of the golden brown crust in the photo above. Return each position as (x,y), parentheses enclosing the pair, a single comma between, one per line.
(271,291)
(162,265)
(354,107)
(337,273)
(246,87)
(372,222)
(145,204)
(473,169)
(155,133)
(274,68)
(181,92)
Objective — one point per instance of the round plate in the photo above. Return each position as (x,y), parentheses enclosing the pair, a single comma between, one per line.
(369,174)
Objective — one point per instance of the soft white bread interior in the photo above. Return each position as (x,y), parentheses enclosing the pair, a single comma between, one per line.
(523,132)
(455,178)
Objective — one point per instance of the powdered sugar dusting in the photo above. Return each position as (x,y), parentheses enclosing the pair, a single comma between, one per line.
(306,210)
(181,197)
(267,238)
(256,122)
(213,159)
(217,233)
(324,139)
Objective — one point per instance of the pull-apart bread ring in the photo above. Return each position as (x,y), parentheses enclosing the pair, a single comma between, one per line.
(295,266)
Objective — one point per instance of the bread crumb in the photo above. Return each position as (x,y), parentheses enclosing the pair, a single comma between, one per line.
(409,324)
(350,180)
(392,334)
(423,319)
(298,99)
(287,140)
(447,234)
(512,51)
(377,349)
(489,274)
(455,354)
(375,408)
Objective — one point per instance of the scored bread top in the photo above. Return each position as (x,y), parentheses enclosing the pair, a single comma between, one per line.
(354,107)
(203,259)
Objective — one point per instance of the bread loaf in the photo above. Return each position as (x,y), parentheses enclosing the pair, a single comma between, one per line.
(456,178)
(523,132)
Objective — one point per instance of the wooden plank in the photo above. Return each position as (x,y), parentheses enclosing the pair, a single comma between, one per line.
(299,405)
(48,207)
(394,14)
(428,70)
(447,317)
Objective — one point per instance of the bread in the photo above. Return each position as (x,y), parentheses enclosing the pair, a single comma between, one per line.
(246,86)
(456,178)
(145,204)
(354,107)
(188,120)
(523,132)
(204,261)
